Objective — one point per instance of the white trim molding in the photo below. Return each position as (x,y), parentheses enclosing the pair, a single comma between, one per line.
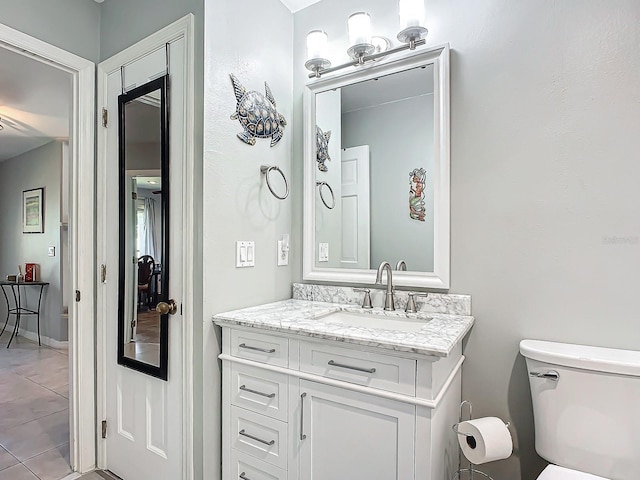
(183,28)
(81,233)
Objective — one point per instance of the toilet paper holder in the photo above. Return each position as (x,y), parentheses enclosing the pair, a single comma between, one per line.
(470,441)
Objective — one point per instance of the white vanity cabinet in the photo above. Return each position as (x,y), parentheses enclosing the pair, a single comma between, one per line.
(300,408)
(354,435)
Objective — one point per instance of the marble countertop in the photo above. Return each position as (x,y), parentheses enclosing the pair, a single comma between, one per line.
(438,336)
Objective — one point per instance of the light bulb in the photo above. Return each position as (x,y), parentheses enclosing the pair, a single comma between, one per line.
(359,28)
(316,45)
(412,13)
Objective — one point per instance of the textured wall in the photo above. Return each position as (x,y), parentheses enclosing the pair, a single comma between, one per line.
(253,40)
(545,119)
(37,168)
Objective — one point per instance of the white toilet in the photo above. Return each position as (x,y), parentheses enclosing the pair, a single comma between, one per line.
(586,408)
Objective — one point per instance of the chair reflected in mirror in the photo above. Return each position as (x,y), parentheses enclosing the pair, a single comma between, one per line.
(146,268)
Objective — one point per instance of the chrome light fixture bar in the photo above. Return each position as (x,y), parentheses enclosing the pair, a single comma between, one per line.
(362,49)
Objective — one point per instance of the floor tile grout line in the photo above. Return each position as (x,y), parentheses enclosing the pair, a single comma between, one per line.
(43,386)
(46,451)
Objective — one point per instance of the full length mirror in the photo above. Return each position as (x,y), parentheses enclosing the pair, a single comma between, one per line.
(377,172)
(144,196)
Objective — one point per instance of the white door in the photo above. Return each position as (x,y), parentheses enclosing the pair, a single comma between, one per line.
(355,197)
(350,435)
(145,415)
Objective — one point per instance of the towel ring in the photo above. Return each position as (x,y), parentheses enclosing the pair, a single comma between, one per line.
(265,170)
(333,197)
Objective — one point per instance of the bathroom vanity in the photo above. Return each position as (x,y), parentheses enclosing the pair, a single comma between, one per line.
(327,391)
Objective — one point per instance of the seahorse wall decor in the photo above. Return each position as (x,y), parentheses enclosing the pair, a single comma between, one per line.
(257,114)
(417,179)
(322,148)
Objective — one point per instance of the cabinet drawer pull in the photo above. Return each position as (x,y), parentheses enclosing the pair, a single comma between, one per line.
(302,435)
(244,434)
(351,367)
(268,395)
(258,349)
(243,476)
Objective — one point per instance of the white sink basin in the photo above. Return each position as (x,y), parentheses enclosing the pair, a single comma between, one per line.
(371,320)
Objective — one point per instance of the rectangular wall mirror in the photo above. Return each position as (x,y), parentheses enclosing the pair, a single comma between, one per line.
(144,234)
(376,182)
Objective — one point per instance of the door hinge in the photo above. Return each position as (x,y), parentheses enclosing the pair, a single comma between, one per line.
(133,323)
(105,117)
(77,295)
(134,195)
(104,429)
(103,273)
(134,260)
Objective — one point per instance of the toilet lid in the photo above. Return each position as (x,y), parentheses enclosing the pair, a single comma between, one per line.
(554,472)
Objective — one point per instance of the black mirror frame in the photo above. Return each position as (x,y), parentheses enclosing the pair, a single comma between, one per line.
(162,84)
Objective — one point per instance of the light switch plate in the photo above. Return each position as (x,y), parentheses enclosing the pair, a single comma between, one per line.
(245,254)
(52,251)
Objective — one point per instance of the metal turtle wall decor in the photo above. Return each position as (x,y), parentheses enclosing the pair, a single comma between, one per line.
(322,148)
(257,114)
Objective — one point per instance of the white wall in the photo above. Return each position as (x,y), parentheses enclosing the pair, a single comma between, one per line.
(253,40)
(400,139)
(545,174)
(37,168)
(329,221)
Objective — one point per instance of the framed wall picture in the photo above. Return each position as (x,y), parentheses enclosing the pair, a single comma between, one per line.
(33,211)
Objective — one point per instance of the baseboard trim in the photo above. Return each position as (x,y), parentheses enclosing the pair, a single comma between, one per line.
(49,342)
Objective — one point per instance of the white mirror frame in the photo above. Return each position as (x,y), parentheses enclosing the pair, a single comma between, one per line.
(439,278)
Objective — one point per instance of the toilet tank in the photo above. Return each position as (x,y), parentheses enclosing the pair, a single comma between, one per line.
(589,418)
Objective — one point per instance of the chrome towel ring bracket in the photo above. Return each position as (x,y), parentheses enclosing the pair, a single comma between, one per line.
(333,197)
(266,170)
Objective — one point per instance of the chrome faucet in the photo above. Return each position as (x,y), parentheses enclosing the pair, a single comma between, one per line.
(401,266)
(388,299)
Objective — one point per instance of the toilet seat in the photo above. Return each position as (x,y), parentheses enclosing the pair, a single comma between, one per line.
(554,472)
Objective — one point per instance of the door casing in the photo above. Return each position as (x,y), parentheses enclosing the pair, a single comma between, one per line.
(81,228)
(183,28)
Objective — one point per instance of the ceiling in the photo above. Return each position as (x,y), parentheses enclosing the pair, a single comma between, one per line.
(35,103)
(295,5)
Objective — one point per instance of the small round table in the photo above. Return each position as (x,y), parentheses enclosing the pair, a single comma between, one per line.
(18,309)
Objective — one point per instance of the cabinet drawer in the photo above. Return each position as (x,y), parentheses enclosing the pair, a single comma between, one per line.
(260,347)
(259,436)
(259,390)
(245,467)
(376,370)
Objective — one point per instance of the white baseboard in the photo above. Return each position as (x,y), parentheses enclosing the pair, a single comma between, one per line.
(50,342)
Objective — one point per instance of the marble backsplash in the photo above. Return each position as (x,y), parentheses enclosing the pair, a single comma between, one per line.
(434,303)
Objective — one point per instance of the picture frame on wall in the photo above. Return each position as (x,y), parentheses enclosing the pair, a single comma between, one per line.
(33,211)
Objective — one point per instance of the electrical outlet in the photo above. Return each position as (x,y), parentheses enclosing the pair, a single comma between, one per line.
(282,251)
(52,251)
(323,252)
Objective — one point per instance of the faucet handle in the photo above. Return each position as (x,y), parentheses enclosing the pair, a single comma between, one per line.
(366,301)
(411,302)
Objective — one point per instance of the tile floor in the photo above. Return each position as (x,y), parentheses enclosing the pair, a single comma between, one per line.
(34,411)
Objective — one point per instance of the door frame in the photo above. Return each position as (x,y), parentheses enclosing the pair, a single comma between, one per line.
(182,28)
(81,235)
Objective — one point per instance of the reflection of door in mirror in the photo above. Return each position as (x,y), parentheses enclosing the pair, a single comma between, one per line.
(393,116)
(143,231)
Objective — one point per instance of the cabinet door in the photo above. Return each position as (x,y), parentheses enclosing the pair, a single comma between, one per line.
(355,436)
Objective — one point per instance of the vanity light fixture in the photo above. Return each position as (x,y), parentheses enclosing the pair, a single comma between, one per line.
(363,46)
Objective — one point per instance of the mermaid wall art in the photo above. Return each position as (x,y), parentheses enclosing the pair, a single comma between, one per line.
(417,179)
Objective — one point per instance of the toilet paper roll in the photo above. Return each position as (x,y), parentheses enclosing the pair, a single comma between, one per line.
(486,439)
